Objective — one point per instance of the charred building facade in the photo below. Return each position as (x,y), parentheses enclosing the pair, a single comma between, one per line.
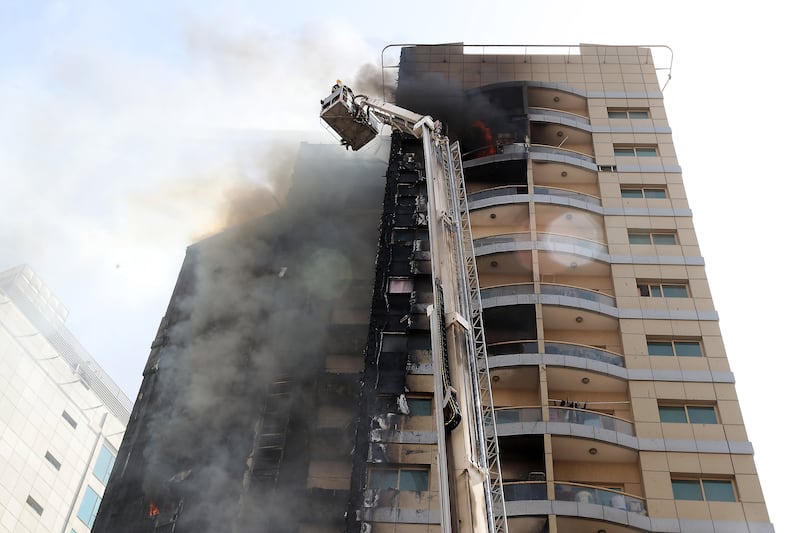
(293,383)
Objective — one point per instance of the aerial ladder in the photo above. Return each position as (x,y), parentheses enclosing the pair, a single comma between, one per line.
(457,333)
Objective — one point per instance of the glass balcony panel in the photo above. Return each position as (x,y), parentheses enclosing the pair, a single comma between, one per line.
(564,193)
(577,119)
(513,415)
(507,290)
(577,292)
(509,190)
(506,348)
(585,417)
(571,492)
(585,352)
(545,149)
(502,239)
(525,490)
(591,246)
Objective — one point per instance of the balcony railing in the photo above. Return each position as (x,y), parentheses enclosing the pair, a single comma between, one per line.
(585,417)
(585,352)
(557,348)
(506,190)
(565,193)
(574,492)
(507,290)
(519,491)
(553,289)
(552,150)
(566,115)
(576,242)
(502,239)
(516,415)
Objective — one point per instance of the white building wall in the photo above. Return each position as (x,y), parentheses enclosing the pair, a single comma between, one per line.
(38,386)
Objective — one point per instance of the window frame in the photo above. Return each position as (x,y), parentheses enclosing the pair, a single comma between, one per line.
(651,237)
(106,472)
(636,150)
(90,509)
(398,471)
(656,288)
(418,400)
(701,485)
(686,410)
(674,347)
(649,192)
(628,112)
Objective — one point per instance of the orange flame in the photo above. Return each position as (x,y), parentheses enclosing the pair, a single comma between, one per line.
(488,145)
(153,510)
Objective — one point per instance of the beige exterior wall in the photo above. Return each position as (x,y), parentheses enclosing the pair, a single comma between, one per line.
(587,83)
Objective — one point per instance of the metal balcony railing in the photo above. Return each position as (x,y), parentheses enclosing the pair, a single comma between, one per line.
(557,348)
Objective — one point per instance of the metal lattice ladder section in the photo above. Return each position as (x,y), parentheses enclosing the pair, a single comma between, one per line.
(487,428)
(270,440)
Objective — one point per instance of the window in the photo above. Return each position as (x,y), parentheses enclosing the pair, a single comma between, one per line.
(420,406)
(36,506)
(660,289)
(411,478)
(616,112)
(89,505)
(683,414)
(71,421)
(52,460)
(635,151)
(643,192)
(636,236)
(681,348)
(400,285)
(104,464)
(711,490)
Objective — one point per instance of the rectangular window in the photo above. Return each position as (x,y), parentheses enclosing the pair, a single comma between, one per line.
(682,348)
(618,112)
(52,460)
(414,479)
(89,505)
(420,406)
(400,286)
(636,151)
(711,490)
(104,464)
(683,414)
(36,506)
(660,289)
(71,421)
(643,192)
(636,236)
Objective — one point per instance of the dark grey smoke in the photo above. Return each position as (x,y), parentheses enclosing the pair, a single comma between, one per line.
(253,306)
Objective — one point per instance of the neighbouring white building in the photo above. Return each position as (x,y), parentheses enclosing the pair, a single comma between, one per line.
(62,418)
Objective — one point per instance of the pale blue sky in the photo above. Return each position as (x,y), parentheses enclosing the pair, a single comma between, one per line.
(121,124)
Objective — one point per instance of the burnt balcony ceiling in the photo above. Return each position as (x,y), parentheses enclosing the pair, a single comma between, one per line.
(510,323)
(514,172)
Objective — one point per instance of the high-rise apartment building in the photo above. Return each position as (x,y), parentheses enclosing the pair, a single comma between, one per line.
(61,416)
(614,406)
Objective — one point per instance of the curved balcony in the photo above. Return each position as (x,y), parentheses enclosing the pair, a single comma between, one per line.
(585,417)
(566,193)
(561,117)
(552,289)
(524,236)
(568,243)
(515,289)
(557,348)
(494,192)
(517,415)
(575,492)
(561,154)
